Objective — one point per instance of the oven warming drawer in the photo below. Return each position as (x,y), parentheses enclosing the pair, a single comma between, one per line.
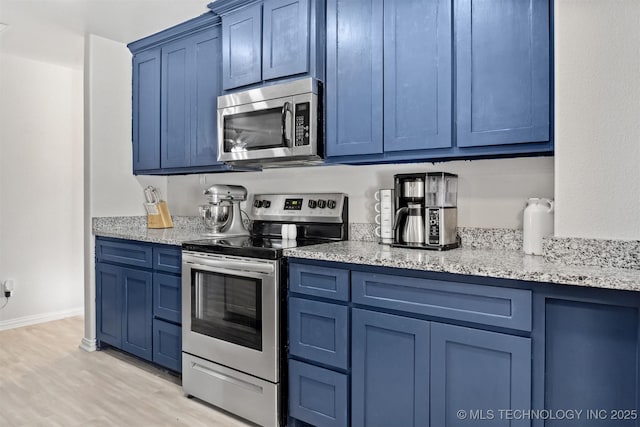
(244,395)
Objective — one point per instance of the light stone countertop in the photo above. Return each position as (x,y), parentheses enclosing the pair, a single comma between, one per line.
(504,264)
(167,236)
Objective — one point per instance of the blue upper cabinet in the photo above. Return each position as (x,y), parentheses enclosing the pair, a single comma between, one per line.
(437,79)
(270,39)
(206,85)
(190,89)
(417,74)
(354,77)
(502,72)
(285,38)
(242,47)
(146,110)
(174,116)
(177,77)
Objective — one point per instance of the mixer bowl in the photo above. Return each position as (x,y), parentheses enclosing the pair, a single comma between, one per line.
(215,216)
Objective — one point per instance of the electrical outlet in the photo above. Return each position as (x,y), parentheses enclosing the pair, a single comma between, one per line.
(8,286)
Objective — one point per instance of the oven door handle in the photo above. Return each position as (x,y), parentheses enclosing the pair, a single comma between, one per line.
(237,265)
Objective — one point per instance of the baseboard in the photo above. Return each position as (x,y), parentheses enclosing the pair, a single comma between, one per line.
(39,318)
(88,345)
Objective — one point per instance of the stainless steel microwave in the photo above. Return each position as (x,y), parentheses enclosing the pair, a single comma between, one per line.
(273,125)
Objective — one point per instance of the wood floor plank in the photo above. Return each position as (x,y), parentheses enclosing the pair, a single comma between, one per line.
(46,380)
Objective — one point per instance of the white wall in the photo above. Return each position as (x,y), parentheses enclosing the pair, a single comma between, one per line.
(115,191)
(492,193)
(40,189)
(110,187)
(597,157)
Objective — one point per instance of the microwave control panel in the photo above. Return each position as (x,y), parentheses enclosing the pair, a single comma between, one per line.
(301,123)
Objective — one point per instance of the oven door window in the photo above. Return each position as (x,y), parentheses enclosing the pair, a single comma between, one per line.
(227,307)
(254,130)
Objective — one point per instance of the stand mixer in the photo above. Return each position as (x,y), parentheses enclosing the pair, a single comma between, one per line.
(222,216)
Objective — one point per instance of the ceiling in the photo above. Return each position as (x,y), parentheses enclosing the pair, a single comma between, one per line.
(53,30)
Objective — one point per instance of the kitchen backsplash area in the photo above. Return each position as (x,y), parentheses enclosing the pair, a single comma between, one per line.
(491,193)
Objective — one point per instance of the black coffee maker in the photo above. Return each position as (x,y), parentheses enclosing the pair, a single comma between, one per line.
(426,214)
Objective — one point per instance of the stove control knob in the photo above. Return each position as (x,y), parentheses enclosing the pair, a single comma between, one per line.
(266,203)
(257,203)
(312,204)
(322,203)
(331,204)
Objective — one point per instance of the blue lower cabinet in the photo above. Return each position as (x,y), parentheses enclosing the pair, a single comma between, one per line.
(167,345)
(318,396)
(167,297)
(478,372)
(109,304)
(590,360)
(137,312)
(316,281)
(319,332)
(390,370)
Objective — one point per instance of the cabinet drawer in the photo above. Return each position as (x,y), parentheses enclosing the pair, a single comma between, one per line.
(167,345)
(124,252)
(489,305)
(317,396)
(319,281)
(166,258)
(167,297)
(319,332)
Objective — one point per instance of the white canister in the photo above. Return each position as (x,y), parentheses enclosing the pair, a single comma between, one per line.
(537,223)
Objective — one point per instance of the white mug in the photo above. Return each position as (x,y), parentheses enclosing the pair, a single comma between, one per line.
(383,193)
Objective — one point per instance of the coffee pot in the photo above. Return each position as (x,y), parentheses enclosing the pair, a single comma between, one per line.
(413,223)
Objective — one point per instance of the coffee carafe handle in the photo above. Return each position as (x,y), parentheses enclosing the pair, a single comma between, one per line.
(399,212)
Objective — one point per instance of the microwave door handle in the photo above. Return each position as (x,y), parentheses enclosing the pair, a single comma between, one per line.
(286,108)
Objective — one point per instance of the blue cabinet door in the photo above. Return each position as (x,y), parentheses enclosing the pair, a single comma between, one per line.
(480,371)
(417,74)
(146,110)
(167,345)
(175,112)
(285,38)
(206,86)
(502,71)
(242,47)
(109,304)
(167,297)
(137,312)
(354,77)
(390,370)
(318,396)
(319,332)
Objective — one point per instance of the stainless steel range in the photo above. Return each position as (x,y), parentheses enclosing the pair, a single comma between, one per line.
(234,304)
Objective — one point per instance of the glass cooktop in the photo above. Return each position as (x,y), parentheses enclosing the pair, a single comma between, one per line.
(248,246)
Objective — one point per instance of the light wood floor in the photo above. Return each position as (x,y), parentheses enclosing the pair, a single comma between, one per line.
(46,380)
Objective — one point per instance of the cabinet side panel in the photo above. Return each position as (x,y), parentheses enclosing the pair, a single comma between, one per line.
(591,360)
